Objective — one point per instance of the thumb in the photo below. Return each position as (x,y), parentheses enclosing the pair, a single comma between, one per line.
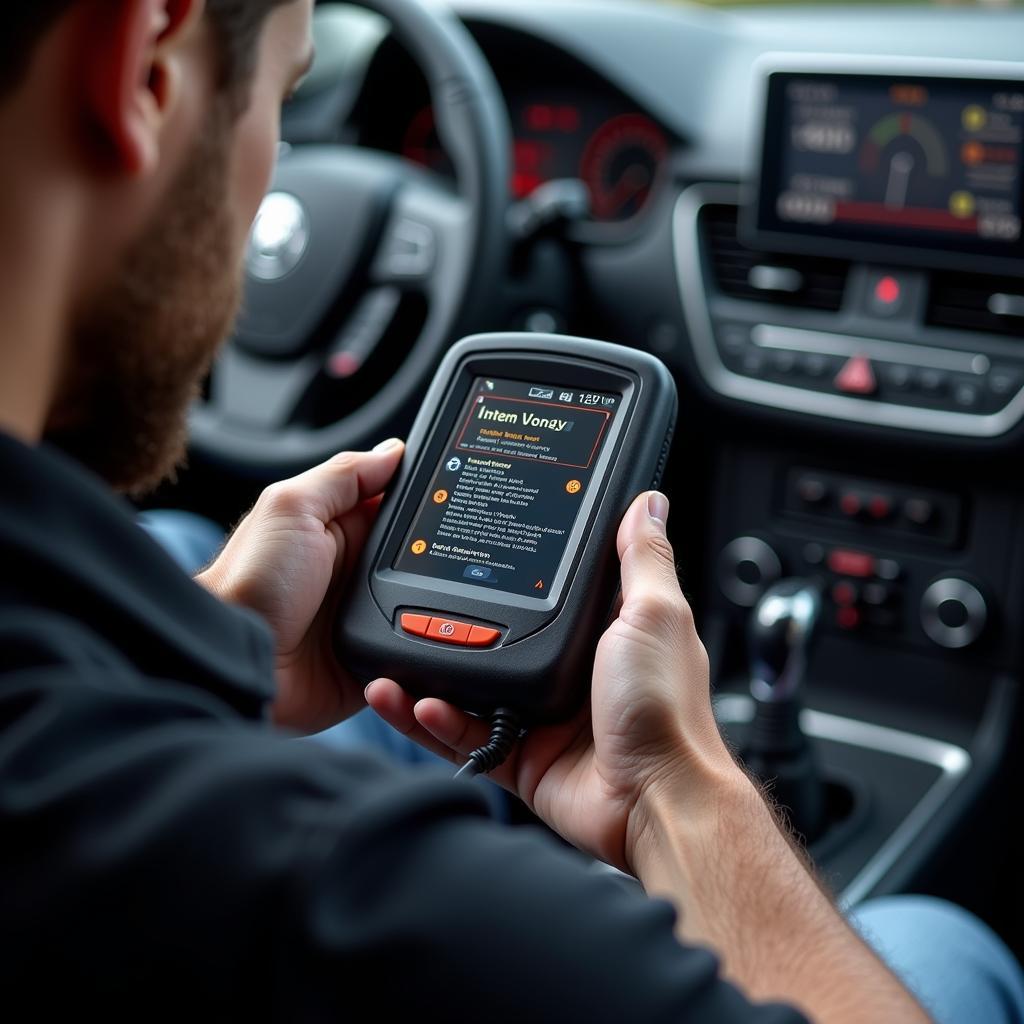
(648,561)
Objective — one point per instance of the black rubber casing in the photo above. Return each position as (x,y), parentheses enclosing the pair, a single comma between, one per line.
(541,667)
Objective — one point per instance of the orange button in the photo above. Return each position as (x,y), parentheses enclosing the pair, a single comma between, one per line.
(449,631)
(417,625)
(481,636)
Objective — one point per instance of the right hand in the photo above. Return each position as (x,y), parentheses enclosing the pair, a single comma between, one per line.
(649,725)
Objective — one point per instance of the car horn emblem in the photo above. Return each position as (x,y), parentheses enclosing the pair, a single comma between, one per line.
(279,238)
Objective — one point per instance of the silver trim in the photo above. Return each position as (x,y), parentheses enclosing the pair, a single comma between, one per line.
(799,340)
(952,589)
(952,761)
(747,549)
(690,277)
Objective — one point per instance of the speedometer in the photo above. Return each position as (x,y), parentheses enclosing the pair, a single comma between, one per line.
(622,164)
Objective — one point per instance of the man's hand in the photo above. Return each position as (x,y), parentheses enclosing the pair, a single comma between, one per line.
(650,713)
(289,560)
(644,780)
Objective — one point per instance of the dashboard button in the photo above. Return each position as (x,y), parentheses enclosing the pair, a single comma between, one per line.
(933,382)
(857,377)
(966,396)
(449,631)
(851,563)
(920,511)
(898,377)
(816,365)
(1005,382)
(483,636)
(416,625)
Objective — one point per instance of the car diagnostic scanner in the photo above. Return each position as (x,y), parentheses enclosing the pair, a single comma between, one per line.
(491,570)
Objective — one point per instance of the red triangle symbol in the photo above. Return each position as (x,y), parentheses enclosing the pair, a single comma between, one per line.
(857,377)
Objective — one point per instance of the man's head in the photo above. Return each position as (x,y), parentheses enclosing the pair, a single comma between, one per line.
(158,126)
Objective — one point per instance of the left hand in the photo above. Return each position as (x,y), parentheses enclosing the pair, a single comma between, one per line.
(289,560)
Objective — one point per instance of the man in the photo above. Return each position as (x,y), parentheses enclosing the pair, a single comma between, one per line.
(168,848)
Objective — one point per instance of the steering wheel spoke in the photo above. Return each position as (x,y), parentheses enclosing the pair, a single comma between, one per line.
(426,240)
(253,394)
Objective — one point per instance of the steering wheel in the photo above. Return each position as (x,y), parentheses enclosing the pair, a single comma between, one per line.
(344,238)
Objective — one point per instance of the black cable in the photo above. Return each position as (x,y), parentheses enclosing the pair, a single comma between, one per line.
(505,731)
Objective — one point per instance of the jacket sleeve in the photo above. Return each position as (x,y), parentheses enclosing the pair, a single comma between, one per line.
(164,858)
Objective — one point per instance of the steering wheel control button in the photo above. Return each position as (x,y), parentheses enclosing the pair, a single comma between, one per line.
(857,377)
(415,625)
(953,613)
(746,567)
(449,631)
(409,251)
(482,636)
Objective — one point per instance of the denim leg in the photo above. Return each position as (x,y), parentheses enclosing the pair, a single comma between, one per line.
(958,968)
(191,540)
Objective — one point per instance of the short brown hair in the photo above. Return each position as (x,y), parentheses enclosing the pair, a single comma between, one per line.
(237,24)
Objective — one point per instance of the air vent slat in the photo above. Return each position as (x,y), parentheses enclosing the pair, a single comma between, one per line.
(824,280)
(964,301)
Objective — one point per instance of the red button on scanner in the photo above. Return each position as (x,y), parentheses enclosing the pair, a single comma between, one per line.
(851,563)
(416,625)
(449,631)
(482,636)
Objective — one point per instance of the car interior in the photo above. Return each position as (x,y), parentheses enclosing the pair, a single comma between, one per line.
(811,213)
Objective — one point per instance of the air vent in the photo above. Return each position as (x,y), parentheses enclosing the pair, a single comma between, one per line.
(977,302)
(745,273)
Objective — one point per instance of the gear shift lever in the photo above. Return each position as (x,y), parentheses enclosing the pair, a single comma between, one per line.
(781,632)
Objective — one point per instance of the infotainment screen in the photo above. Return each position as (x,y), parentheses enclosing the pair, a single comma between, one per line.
(509,486)
(933,164)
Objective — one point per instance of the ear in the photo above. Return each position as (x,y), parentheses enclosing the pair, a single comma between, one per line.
(131,64)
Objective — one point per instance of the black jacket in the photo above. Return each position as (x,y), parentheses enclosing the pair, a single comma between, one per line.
(165,853)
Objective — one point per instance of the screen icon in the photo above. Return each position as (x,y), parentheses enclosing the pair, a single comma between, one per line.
(542,393)
(539,585)
(440,497)
(574,487)
(419,547)
(454,465)
(565,396)
(477,572)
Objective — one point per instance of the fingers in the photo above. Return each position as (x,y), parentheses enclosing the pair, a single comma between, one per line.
(332,490)
(651,595)
(435,725)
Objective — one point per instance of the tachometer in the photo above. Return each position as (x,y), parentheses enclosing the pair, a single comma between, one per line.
(422,145)
(621,165)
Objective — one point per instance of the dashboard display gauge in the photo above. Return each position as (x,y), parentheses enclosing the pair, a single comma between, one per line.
(621,165)
(422,145)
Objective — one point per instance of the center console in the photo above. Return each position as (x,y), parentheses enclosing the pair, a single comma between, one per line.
(867,293)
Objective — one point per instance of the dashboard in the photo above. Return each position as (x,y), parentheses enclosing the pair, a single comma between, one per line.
(567,122)
(813,214)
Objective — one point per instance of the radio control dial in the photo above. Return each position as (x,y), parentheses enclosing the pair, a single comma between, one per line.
(953,613)
(746,567)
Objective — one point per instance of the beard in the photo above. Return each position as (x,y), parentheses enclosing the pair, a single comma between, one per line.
(142,347)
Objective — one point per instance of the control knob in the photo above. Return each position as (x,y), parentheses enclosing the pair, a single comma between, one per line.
(953,612)
(746,568)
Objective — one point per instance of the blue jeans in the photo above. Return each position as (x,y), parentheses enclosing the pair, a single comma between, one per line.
(956,966)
